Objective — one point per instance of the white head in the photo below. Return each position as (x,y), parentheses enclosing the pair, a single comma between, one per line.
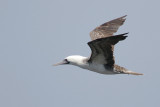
(73,60)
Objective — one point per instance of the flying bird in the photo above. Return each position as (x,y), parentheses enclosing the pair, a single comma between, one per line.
(102,47)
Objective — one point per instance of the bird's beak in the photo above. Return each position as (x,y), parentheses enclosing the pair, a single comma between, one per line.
(61,63)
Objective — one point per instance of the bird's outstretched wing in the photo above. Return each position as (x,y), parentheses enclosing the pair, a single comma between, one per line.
(107,29)
(102,51)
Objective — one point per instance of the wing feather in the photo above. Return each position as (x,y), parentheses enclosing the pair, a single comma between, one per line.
(107,29)
(102,49)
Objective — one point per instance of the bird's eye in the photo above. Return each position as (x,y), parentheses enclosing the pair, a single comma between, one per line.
(66,61)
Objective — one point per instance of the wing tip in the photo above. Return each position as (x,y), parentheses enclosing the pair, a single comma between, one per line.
(123,16)
(122,34)
(122,19)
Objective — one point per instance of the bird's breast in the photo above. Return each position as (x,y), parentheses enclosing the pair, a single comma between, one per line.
(99,68)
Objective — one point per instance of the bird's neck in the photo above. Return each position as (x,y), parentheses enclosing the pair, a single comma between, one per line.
(81,62)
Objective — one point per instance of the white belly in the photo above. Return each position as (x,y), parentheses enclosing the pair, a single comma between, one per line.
(99,68)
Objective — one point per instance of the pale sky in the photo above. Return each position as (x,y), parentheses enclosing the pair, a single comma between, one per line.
(34,34)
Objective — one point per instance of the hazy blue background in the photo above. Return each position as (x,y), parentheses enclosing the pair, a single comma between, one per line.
(34,34)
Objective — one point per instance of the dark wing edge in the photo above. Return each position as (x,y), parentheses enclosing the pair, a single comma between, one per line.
(107,29)
(104,47)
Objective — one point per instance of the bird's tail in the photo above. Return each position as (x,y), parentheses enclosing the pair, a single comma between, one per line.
(133,73)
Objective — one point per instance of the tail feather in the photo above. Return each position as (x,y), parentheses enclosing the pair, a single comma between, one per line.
(124,70)
(133,73)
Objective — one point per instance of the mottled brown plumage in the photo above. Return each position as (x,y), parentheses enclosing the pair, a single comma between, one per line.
(107,29)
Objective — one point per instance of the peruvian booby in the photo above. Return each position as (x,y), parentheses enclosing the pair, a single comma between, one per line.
(102,47)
